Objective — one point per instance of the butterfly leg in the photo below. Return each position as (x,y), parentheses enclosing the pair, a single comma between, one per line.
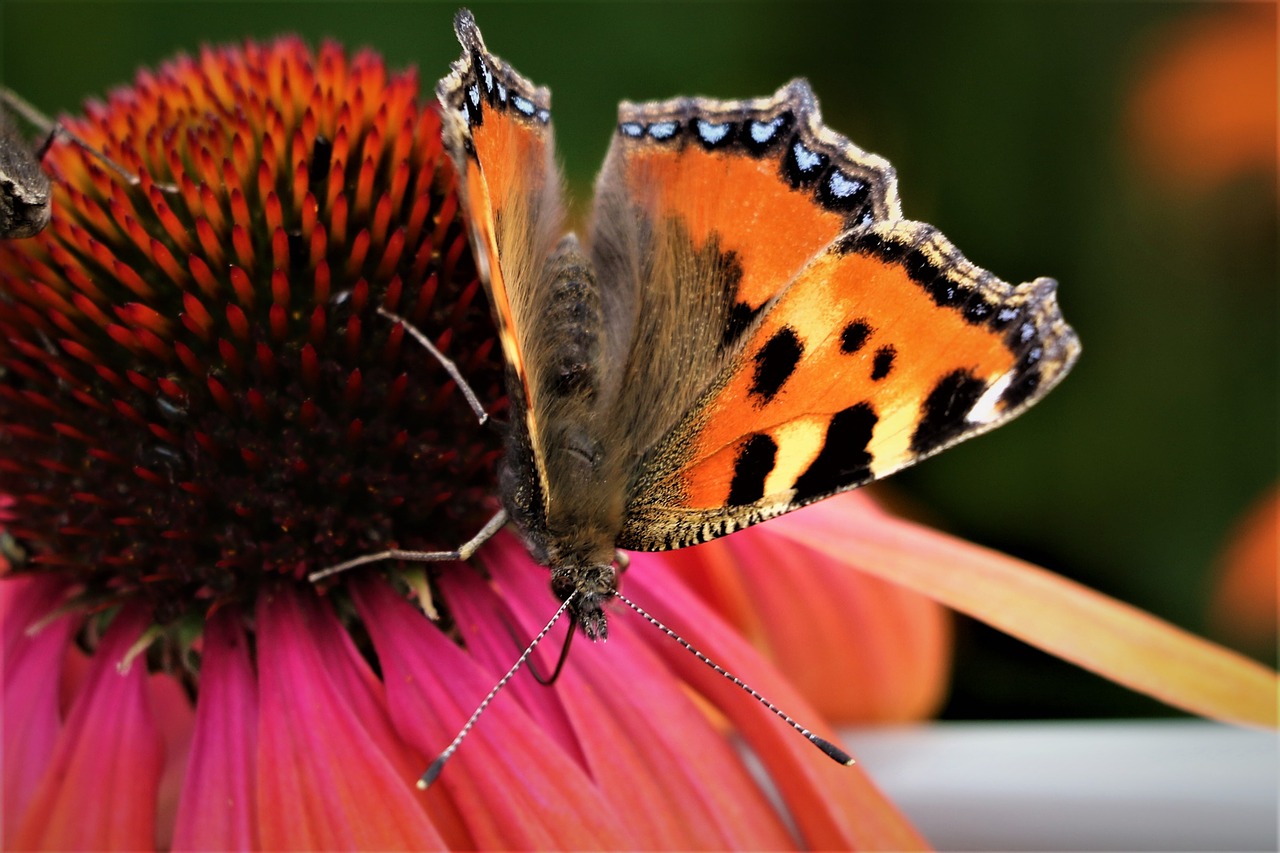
(463,552)
(548,680)
(449,367)
(56,129)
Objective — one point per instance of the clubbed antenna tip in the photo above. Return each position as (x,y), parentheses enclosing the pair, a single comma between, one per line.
(433,772)
(828,748)
(834,752)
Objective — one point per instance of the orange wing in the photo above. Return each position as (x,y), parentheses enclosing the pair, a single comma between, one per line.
(705,210)
(786,334)
(764,177)
(497,128)
(887,348)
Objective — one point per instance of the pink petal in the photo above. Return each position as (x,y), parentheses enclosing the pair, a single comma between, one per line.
(26,600)
(324,778)
(99,789)
(218,805)
(31,719)
(510,782)
(175,717)
(684,784)
(1069,620)
(895,644)
(494,637)
(834,806)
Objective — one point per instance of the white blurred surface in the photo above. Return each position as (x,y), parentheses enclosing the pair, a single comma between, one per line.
(1127,785)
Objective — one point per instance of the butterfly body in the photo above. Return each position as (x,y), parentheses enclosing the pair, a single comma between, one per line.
(748,326)
(576,536)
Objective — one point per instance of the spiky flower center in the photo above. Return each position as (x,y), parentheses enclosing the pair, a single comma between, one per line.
(197,389)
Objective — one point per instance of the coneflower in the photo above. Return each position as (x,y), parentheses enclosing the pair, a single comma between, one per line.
(200,406)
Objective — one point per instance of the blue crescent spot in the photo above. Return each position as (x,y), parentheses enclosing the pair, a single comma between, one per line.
(842,187)
(762,132)
(712,133)
(662,130)
(807,160)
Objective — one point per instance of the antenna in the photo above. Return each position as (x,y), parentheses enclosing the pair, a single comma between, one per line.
(828,748)
(832,751)
(436,766)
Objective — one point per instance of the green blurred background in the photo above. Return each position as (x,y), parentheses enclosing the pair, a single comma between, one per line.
(1075,140)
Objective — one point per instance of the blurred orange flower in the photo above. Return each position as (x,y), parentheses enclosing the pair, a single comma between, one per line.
(1243,609)
(1204,109)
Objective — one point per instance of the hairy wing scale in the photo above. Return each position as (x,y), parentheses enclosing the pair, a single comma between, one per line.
(497,128)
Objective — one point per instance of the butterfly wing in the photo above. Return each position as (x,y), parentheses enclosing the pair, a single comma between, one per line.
(887,348)
(497,129)
(704,211)
(802,338)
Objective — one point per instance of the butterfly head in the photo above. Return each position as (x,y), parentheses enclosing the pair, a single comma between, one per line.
(591,584)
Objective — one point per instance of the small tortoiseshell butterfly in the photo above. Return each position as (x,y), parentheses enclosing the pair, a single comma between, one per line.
(749,325)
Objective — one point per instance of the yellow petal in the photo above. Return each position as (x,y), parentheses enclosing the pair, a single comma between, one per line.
(1111,638)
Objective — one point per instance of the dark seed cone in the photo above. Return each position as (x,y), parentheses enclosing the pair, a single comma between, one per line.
(197,391)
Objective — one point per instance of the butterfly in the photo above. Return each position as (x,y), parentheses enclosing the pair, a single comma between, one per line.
(748,326)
